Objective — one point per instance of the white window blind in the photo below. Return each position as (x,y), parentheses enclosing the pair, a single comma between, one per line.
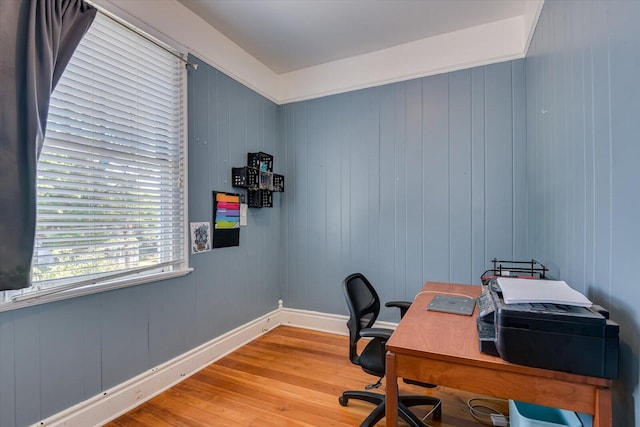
(110,194)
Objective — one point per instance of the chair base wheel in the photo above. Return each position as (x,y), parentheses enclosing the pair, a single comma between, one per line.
(404,403)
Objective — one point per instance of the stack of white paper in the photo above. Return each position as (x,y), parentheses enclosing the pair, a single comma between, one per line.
(518,291)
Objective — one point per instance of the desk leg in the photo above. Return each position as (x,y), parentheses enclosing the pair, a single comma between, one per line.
(603,414)
(391,386)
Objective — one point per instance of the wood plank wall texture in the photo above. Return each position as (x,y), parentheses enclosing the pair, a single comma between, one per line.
(408,182)
(426,179)
(583,176)
(55,355)
(405,182)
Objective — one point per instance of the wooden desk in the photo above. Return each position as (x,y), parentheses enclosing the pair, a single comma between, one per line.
(442,348)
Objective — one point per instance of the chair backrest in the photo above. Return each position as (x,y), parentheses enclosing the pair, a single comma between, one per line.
(364,307)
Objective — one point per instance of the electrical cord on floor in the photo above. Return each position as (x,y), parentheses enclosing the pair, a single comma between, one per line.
(428,414)
(487,414)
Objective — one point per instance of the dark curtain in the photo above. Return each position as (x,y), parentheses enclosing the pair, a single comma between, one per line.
(37,40)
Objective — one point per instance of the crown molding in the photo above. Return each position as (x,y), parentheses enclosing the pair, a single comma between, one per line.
(185,28)
(494,42)
(484,44)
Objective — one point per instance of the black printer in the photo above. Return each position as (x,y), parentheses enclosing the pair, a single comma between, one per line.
(560,337)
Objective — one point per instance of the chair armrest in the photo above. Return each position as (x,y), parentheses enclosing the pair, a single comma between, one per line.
(382,333)
(402,305)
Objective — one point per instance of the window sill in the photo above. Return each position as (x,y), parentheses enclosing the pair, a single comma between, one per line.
(92,289)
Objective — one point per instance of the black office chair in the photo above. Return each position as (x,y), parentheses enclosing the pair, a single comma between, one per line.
(364,307)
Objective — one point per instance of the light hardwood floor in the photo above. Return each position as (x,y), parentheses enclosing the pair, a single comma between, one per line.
(287,377)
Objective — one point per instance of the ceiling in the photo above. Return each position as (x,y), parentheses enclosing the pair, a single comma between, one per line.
(290,35)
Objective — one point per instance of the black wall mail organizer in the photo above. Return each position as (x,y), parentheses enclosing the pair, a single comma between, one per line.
(259,180)
(226,219)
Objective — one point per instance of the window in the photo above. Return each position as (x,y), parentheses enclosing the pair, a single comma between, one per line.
(110,190)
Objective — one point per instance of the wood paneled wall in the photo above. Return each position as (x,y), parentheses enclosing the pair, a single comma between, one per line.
(408,182)
(583,175)
(426,179)
(55,355)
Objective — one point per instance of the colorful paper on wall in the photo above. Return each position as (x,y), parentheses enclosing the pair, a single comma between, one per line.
(228,205)
(227,211)
(226,219)
(226,225)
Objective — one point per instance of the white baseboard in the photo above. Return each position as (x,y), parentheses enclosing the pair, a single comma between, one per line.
(324,322)
(122,398)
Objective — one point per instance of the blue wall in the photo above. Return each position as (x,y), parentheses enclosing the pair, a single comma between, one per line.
(55,355)
(414,181)
(583,127)
(426,179)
